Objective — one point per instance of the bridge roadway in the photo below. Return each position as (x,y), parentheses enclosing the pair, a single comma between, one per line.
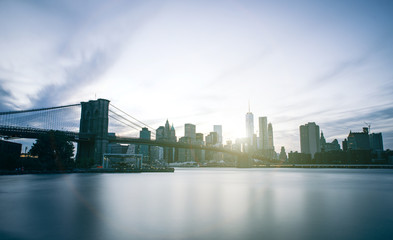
(28,132)
(34,133)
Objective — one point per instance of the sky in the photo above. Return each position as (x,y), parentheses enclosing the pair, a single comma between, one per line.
(202,62)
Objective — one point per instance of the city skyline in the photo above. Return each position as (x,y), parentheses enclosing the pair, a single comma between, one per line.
(295,61)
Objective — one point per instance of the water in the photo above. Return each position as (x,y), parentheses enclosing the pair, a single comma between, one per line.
(200,204)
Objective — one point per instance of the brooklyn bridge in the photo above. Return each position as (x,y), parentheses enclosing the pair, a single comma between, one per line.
(87,124)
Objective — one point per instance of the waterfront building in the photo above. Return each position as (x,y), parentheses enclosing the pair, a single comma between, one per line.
(376,143)
(328,147)
(131,149)
(299,158)
(157,153)
(333,146)
(116,148)
(309,138)
(358,140)
(364,141)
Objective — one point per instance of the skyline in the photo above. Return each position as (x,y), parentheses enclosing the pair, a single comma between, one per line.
(201,62)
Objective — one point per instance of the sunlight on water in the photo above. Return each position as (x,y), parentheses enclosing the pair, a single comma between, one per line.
(200,204)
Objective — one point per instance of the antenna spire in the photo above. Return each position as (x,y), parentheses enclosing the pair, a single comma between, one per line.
(249,106)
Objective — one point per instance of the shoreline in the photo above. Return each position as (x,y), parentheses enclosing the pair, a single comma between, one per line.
(93,170)
(356,166)
(172,169)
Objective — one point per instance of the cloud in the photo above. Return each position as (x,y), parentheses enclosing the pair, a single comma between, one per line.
(333,74)
(5,96)
(379,46)
(70,47)
(85,73)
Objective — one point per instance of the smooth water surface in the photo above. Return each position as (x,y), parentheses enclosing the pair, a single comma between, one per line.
(200,203)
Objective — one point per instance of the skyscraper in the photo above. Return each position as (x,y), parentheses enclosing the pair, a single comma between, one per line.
(309,138)
(359,140)
(218,130)
(376,142)
(364,140)
(263,134)
(199,153)
(250,127)
(283,154)
(189,131)
(188,155)
(322,142)
(199,138)
(144,134)
(167,133)
(160,133)
(211,140)
(270,136)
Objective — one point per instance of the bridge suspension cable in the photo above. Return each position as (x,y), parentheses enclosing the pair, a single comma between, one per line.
(63,118)
(121,121)
(128,120)
(38,109)
(144,124)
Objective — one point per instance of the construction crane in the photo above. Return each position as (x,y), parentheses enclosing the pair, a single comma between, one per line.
(369,126)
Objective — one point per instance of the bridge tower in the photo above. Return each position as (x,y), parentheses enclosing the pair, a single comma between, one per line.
(94,123)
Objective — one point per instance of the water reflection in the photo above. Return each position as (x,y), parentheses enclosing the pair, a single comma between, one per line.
(199,204)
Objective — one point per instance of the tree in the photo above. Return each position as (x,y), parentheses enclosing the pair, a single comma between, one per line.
(54,151)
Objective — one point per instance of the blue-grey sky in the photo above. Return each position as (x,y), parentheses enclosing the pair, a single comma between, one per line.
(329,62)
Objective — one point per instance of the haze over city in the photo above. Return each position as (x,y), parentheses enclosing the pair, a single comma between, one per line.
(201,62)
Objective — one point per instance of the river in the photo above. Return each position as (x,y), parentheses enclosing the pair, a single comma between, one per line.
(200,203)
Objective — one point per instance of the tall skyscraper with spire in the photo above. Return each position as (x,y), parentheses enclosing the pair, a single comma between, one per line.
(167,133)
(250,126)
(322,142)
